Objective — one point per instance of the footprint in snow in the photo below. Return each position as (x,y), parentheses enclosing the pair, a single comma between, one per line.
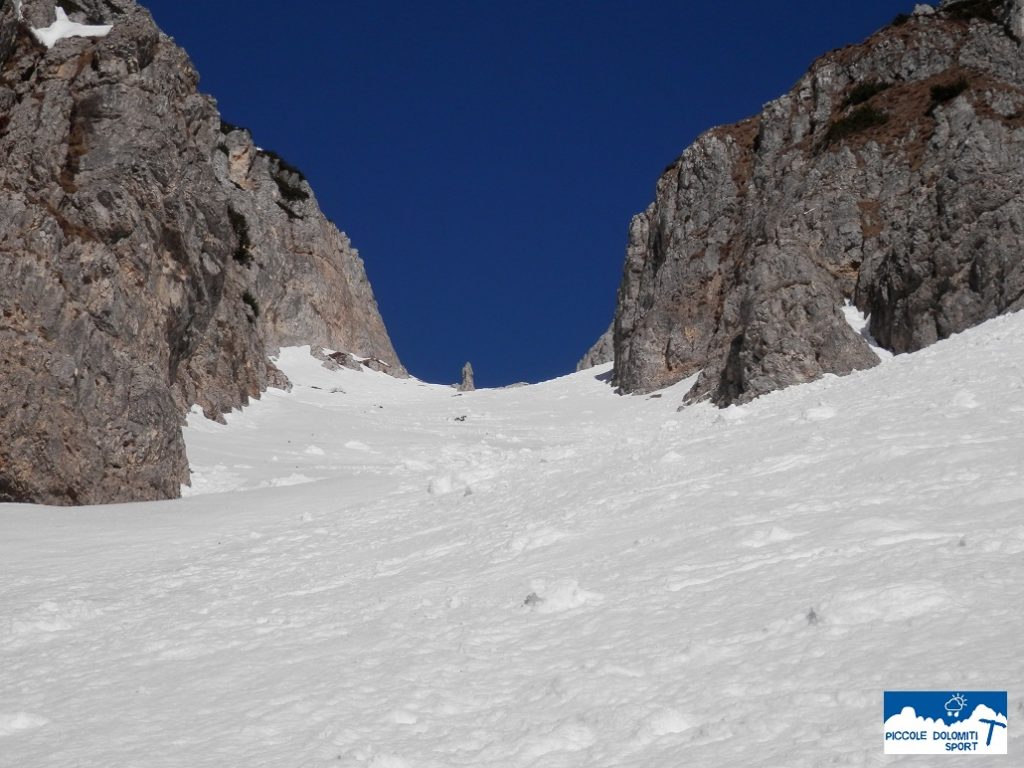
(662,723)
(734,414)
(415,465)
(558,596)
(819,413)
(767,536)
(671,457)
(296,478)
(444,485)
(387,761)
(557,453)
(540,537)
(404,717)
(12,722)
(964,399)
(894,602)
(571,736)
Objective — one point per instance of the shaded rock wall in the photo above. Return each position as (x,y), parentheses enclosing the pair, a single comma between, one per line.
(890,176)
(127,291)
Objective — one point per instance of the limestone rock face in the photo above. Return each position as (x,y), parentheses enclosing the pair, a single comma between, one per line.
(603,351)
(149,259)
(467,384)
(294,280)
(1014,17)
(890,176)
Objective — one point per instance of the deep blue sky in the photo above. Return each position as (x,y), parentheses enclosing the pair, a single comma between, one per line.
(485,157)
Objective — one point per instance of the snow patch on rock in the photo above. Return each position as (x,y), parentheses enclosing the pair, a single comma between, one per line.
(858,321)
(63,27)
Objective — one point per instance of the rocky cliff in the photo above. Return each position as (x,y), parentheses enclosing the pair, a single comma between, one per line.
(150,257)
(603,350)
(889,176)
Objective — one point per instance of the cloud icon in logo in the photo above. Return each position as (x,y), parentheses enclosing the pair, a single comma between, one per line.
(955,705)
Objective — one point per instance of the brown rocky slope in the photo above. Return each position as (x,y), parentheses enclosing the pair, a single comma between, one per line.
(889,176)
(150,257)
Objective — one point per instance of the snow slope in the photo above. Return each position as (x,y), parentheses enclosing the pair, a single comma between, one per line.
(565,577)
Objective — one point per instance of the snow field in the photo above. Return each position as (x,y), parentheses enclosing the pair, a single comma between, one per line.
(566,577)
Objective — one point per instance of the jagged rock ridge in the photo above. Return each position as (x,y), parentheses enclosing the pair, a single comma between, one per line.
(150,256)
(889,176)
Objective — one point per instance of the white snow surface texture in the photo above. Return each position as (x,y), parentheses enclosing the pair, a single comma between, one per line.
(566,577)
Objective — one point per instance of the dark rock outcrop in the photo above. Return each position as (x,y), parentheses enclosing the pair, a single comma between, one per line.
(149,259)
(890,176)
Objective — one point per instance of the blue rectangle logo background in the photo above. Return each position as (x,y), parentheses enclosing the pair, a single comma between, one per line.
(946,722)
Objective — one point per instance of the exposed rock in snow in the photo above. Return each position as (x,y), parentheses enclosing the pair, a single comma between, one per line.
(466,384)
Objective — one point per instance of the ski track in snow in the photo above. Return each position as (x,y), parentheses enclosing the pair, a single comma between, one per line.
(563,578)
